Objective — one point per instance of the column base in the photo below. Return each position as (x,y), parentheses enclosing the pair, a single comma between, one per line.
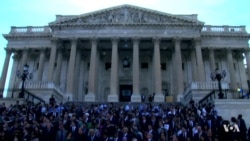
(90,97)
(159,98)
(179,97)
(135,98)
(113,98)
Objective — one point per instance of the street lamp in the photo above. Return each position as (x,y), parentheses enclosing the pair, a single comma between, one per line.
(24,76)
(217,75)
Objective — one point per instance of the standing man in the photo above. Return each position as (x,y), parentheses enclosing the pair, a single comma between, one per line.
(242,127)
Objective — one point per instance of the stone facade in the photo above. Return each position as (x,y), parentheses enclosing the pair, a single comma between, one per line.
(124,52)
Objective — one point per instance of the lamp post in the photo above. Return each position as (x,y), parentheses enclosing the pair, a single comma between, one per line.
(217,75)
(24,76)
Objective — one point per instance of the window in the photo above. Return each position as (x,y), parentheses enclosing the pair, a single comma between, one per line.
(107,66)
(144,65)
(183,66)
(37,66)
(163,66)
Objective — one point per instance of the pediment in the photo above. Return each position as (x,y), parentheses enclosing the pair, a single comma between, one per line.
(127,14)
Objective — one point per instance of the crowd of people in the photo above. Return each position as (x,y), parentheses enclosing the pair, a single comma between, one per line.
(114,122)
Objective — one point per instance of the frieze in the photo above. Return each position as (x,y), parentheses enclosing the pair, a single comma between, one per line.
(126,15)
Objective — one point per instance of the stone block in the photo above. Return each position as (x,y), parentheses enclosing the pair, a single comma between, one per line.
(136,98)
(90,98)
(113,98)
(159,98)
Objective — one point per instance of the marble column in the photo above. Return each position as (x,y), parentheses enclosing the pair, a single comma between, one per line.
(24,58)
(52,59)
(58,68)
(136,97)
(77,76)
(194,65)
(71,70)
(200,65)
(248,63)
(157,72)
(233,84)
(41,65)
(113,96)
(22,63)
(178,68)
(211,59)
(90,97)
(5,71)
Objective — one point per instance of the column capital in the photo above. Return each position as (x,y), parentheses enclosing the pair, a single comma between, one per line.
(9,50)
(54,39)
(115,39)
(210,48)
(25,48)
(196,40)
(43,48)
(228,49)
(246,49)
(74,39)
(177,39)
(156,39)
(96,39)
(136,40)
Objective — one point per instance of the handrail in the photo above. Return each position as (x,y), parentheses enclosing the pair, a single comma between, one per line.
(210,96)
(33,96)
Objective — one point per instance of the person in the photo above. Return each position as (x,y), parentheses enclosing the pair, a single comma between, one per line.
(143,98)
(61,134)
(242,127)
(150,98)
(52,100)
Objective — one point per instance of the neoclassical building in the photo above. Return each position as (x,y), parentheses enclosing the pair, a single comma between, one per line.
(125,52)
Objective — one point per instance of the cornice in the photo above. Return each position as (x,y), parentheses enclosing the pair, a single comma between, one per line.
(18,36)
(226,35)
(84,25)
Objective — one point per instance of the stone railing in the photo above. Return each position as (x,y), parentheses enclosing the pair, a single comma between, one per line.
(204,86)
(42,85)
(230,29)
(30,29)
(208,85)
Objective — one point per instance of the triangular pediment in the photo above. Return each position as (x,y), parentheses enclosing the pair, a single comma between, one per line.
(126,14)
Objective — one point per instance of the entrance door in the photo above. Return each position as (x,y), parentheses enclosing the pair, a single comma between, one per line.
(125,93)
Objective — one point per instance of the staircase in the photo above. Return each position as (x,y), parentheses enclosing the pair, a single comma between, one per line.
(13,98)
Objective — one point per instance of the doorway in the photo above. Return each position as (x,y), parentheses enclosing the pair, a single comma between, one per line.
(125,93)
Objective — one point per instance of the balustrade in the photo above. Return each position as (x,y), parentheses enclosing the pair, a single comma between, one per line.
(41,85)
(30,29)
(208,85)
(237,29)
